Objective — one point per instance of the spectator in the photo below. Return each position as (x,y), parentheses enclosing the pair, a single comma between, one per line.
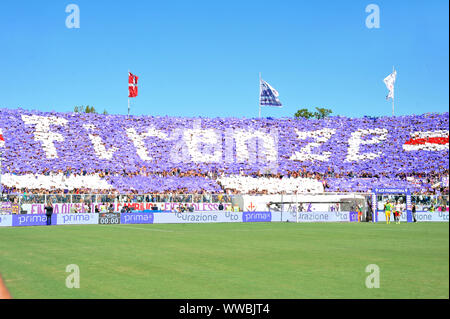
(111,208)
(73,209)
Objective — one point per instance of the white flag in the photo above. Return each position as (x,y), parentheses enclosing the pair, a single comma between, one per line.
(389,81)
(268,96)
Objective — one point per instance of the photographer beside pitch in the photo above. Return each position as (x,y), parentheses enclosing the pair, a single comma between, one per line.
(49,212)
(413,211)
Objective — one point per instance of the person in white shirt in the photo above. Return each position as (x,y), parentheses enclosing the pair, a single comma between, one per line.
(398,212)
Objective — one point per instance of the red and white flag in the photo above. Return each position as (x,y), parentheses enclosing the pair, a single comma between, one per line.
(2,140)
(428,141)
(132,85)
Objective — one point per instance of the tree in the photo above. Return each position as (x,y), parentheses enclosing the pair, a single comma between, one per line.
(304,113)
(321,113)
(104,112)
(90,109)
(85,109)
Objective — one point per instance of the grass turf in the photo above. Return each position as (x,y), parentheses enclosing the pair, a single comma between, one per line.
(246,260)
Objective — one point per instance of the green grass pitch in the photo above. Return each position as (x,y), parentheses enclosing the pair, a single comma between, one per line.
(245,260)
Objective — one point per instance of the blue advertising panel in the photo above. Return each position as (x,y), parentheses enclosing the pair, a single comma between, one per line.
(256,217)
(77,219)
(32,220)
(137,218)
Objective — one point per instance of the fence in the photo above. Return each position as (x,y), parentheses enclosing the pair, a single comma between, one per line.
(102,198)
(20,201)
(25,200)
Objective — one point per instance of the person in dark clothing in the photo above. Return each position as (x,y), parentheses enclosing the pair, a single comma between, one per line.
(369,212)
(49,212)
(413,211)
(111,208)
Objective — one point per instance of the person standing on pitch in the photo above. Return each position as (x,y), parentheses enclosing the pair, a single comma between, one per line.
(49,212)
(394,211)
(413,211)
(359,210)
(397,212)
(387,212)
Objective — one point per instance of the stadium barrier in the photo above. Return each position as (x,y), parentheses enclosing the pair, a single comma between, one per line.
(438,216)
(138,206)
(196,217)
(86,203)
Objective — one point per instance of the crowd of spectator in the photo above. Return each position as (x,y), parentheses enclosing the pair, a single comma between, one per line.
(256,183)
(106,154)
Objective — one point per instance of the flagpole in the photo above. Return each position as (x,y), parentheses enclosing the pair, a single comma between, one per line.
(393,69)
(128,95)
(259,114)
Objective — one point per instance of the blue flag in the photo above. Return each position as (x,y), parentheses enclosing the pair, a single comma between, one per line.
(268,96)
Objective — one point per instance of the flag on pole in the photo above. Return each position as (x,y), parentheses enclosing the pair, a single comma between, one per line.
(268,96)
(389,81)
(2,140)
(132,85)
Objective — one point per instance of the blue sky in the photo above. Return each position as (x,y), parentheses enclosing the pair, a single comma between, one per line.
(202,58)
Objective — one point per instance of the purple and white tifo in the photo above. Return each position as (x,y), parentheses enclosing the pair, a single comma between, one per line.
(40,143)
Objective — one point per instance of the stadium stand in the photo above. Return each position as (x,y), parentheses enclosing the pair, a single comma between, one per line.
(271,185)
(51,152)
